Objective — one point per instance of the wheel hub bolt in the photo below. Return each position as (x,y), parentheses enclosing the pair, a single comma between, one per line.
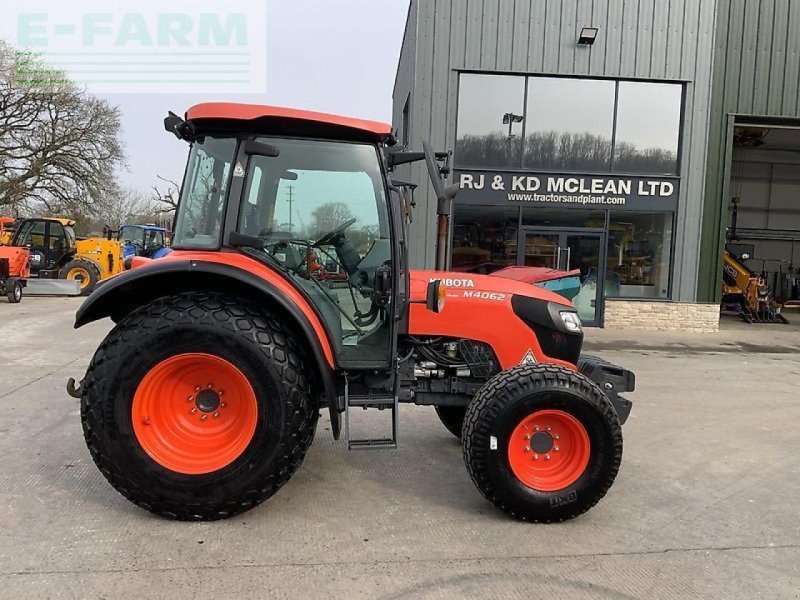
(203,417)
(216,415)
(547,457)
(193,410)
(556,448)
(223,405)
(535,457)
(555,436)
(190,399)
(527,436)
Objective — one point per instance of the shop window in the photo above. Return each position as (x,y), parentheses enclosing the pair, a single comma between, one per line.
(490,121)
(648,124)
(639,252)
(484,238)
(553,217)
(569,124)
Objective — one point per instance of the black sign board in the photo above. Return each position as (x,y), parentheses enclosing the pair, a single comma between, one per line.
(568,190)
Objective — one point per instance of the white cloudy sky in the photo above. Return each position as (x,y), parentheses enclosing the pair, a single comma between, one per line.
(333,56)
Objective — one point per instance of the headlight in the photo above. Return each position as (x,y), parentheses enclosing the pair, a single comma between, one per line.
(571,321)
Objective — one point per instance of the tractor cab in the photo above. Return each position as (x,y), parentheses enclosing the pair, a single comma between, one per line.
(51,243)
(314,209)
(143,240)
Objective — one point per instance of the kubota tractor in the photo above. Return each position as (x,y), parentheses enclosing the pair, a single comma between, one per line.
(204,398)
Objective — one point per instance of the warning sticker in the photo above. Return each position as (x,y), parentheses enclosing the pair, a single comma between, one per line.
(239,170)
(528,359)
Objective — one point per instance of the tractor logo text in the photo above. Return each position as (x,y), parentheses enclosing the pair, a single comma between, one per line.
(455,283)
(485,295)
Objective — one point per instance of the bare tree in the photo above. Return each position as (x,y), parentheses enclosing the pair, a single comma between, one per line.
(329,216)
(166,195)
(59,146)
(126,206)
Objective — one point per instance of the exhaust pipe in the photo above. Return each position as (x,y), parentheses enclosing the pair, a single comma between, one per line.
(444,205)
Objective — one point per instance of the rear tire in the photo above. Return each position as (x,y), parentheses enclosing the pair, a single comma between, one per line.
(280,421)
(452,417)
(565,481)
(85,272)
(14,295)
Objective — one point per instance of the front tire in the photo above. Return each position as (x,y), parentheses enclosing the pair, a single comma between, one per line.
(82,271)
(198,406)
(452,417)
(14,295)
(542,443)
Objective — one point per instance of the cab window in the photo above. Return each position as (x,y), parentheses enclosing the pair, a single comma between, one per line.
(320,210)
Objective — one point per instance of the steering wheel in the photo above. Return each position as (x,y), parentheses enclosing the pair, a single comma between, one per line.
(328,238)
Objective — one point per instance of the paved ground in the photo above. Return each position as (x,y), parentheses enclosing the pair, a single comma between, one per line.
(705,506)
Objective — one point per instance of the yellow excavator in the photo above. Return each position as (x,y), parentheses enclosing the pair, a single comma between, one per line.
(57,254)
(749,291)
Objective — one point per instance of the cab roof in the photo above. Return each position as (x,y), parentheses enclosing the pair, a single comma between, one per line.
(147,227)
(287,121)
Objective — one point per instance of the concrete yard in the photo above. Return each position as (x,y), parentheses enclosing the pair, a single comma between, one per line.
(705,505)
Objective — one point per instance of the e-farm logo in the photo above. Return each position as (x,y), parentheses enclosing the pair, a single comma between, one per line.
(145,46)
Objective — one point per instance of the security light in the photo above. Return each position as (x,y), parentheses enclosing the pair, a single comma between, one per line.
(509,119)
(588,36)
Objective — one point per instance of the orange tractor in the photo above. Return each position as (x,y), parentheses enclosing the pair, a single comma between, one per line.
(204,399)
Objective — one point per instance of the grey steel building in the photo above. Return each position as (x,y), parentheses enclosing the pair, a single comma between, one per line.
(604,136)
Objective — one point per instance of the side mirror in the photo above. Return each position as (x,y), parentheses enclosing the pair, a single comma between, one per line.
(435,297)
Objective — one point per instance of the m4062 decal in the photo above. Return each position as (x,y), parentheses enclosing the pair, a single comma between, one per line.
(484,295)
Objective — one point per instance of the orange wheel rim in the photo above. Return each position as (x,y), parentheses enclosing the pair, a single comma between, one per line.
(194,413)
(549,450)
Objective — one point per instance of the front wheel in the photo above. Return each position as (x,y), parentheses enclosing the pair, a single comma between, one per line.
(198,406)
(452,417)
(14,294)
(542,443)
(85,273)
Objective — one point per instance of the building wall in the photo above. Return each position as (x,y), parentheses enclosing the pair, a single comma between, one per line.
(689,317)
(756,72)
(647,39)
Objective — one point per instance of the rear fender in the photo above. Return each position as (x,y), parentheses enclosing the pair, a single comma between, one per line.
(124,293)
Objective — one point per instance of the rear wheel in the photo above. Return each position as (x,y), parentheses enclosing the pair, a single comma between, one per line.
(14,293)
(542,443)
(84,272)
(198,406)
(452,417)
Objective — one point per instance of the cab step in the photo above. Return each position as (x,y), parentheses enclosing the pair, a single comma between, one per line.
(382,403)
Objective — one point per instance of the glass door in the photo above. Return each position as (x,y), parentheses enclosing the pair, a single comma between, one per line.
(540,249)
(569,251)
(582,251)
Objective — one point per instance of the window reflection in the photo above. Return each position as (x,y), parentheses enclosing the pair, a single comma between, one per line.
(490,119)
(639,248)
(569,124)
(484,238)
(648,123)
